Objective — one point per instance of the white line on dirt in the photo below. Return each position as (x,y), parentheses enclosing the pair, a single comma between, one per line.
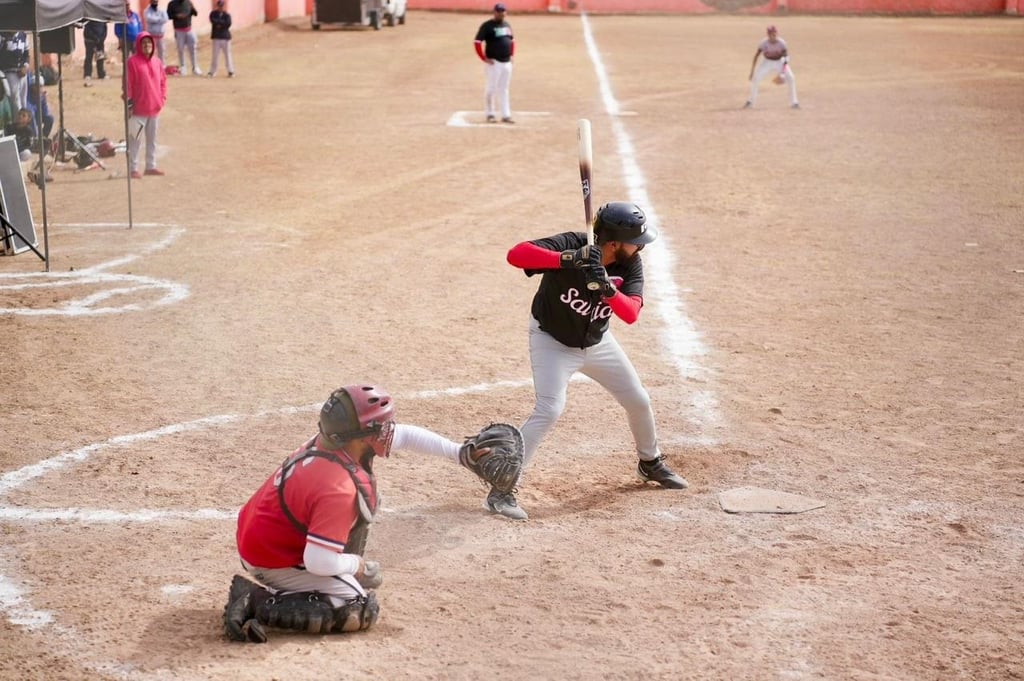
(128,286)
(680,337)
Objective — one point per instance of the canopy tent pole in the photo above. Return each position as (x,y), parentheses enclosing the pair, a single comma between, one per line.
(127,140)
(42,147)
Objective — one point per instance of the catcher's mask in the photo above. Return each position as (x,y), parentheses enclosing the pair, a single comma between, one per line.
(359,411)
(623,222)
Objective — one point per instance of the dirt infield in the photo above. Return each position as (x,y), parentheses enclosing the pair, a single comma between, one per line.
(834,310)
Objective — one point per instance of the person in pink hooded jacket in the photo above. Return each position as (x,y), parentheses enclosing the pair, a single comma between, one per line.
(146,92)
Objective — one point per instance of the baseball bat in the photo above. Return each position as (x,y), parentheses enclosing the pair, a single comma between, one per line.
(586,150)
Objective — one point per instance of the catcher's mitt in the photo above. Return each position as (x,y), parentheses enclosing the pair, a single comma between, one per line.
(495,454)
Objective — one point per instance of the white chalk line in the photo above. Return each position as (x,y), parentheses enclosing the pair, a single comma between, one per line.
(163,292)
(680,338)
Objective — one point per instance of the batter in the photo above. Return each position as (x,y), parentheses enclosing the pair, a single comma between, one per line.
(569,332)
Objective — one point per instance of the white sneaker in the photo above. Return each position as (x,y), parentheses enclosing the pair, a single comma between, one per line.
(198,72)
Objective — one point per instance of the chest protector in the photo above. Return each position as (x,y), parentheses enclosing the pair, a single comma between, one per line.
(366,493)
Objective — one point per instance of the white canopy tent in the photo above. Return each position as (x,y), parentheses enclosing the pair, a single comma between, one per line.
(36,16)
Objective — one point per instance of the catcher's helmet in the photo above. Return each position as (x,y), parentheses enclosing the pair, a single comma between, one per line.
(624,222)
(357,411)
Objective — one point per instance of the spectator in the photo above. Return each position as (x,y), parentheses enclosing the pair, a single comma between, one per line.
(129,30)
(42,118)
(181,13)
(146,92)
(24,131)
(14,65)
(220,32)
(156,19)
(94,34)
(6,115)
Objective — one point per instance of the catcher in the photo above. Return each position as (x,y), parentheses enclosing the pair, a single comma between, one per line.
(302,535)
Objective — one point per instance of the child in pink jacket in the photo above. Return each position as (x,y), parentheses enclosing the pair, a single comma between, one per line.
(146,92)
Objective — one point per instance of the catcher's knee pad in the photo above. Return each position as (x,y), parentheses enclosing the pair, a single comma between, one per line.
(358,614)
(307,611)
(239,613)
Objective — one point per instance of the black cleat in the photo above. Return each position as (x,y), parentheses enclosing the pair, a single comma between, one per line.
(659,472)
(239,614)
(504,504)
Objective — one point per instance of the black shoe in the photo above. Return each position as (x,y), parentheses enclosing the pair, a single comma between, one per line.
(659,472)
(239,614)
(504,504)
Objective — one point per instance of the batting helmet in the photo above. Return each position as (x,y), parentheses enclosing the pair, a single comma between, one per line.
(623,222)
(357,411)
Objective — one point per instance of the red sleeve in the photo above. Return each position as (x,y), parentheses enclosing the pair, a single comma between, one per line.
(479,46)
(530,256)
(626,308)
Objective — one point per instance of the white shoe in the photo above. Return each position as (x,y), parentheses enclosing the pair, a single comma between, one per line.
(198,72)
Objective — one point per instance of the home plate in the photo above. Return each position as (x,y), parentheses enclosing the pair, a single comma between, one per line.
(757,500)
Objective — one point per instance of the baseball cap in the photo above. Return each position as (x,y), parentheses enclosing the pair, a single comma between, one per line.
(772,29)
(499,7)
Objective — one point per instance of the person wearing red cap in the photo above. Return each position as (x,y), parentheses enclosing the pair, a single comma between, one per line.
(775,64)
(495,46)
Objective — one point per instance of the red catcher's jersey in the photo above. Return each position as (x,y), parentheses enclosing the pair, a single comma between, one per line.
(320,494)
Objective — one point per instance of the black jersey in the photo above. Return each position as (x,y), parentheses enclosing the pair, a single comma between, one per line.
(497,39)
(565,309)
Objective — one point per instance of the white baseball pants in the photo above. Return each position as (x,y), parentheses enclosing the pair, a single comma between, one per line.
(498,76)
(554,364)
(773,67)
(339,588)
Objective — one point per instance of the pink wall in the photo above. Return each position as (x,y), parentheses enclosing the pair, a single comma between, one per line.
(253,12)
(735,6)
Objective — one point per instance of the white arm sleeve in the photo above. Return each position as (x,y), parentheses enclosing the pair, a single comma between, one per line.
(327,563)
(423,441)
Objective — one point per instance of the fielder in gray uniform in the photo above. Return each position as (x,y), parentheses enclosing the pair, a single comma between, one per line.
(569,325)
(774,64)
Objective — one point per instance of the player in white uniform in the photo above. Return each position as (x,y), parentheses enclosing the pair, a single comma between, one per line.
(569,332)
(495,45)
(774,64)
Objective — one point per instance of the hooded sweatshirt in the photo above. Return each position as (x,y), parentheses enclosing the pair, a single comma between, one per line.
(145,81)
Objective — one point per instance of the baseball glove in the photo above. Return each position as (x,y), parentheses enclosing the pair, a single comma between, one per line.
(495,455)
(779,79)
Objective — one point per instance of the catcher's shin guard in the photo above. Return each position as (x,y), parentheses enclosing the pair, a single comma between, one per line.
(239,614)
(308,611)
(312,612)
